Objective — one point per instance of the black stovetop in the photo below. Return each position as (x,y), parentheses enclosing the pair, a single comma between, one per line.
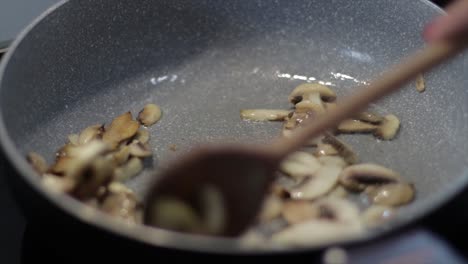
(440,238)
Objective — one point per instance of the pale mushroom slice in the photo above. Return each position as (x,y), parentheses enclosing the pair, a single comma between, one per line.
(299,165)
(90,133)
(377,215)
(395,194)
(142,136)
(128,170)
(38,162)
(317,184)
(150,114)
(356,126)
(420,83)
(271,208)
(359,177)
(122,204)
(338,220)
(58,184)
(325,150)
(121,155)
(336,161)
(137,149)
(343,149)
(325,92)
(311,103)
(297,211)
(121,128)
(370,117)
(389,127)
(264,114)
(338,192)
(73,139)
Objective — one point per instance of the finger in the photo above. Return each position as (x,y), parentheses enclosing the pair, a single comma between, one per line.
(450,24)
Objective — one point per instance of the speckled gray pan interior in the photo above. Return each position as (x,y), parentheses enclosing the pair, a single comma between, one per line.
(203,61)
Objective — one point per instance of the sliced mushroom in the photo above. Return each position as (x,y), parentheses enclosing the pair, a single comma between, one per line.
(370,117)
(137,149)
(61,165)
(297,211)
(316,185)
(121,155)
(356,126)
(420,83)
(97,174)
(332,161)
(311,103)
(73,139)
(58,184)
(338,219)
(279,191)
(150,114)
(271,208)
(122,127)
(325,92)
(65,151)
(90,133)
(264,114)
(142,136)
(128,170)
(377,215)
(173,214)
(299,165)
(123,205)
(343,149)
(38,163)
(335,255)
(338,192)
(391,194)
(325,150)
(389,128)
(330,105)
(359,177)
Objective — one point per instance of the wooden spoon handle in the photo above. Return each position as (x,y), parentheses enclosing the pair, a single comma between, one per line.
(388,82)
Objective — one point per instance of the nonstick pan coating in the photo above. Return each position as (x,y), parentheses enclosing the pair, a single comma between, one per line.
(85,62)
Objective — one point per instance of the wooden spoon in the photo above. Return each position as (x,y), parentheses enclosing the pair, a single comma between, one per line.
(243,173)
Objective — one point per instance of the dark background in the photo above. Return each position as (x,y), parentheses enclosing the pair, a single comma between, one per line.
(444,234)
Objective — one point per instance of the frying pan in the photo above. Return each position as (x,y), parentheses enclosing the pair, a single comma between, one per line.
(85,62)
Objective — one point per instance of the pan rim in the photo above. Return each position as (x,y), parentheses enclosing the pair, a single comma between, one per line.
(167,239)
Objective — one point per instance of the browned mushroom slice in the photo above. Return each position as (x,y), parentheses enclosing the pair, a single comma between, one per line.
(389,128)
(264,114)
(38,163)
(377,215)
(150,114)
(122,204)
(420,83)
(128,170)
(299,165)
(137,149)
(325,150)
(142,136)
(343,149)
(271,209)
(338,220)
(355,126)
(391,194)
(332,161)
(298,211)
(66,150)
(316,185)
(121,155)
(325,92)
(58,184)
(61,166)
(359,177)
(370,117)
(98,173)
(122,127)
(90,133)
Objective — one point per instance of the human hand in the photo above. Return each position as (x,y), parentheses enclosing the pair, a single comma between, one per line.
(450,24)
